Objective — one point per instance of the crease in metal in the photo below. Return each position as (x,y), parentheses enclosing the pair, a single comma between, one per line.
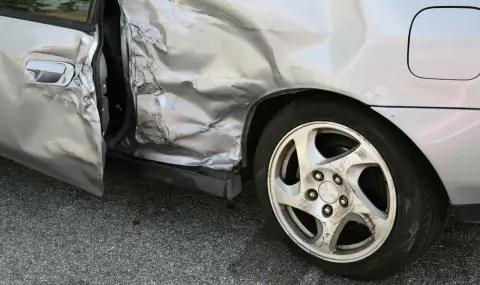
(196,68)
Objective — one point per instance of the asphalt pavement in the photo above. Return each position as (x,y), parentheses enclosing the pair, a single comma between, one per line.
(143,232)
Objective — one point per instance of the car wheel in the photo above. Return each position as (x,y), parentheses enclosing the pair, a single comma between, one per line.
(345,189)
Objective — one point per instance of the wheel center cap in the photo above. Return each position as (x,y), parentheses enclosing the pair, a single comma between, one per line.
(328,192)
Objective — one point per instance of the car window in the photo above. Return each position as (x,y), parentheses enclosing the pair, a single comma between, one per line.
(76,10)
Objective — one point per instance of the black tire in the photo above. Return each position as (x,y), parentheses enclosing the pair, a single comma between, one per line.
(421,199)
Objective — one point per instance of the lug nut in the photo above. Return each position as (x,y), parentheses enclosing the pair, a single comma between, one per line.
(317,175)
(343,201)
(327,211)
(337,179)
(312,194)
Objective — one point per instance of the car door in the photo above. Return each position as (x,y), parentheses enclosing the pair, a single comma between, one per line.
(49,118)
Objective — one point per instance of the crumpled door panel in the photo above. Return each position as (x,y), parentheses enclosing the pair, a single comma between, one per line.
(53,129)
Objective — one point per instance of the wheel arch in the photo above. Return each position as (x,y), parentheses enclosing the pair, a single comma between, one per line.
(264,109)
(267,106)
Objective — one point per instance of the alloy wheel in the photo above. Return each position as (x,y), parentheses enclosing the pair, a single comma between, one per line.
(332,192)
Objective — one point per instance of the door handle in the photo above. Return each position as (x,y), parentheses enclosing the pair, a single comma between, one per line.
(51,72)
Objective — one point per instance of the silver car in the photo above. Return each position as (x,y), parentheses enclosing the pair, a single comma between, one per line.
(357,120)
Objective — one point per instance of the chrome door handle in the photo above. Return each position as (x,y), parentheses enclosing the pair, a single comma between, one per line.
(51,72)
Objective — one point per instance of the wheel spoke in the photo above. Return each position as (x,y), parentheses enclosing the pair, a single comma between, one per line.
(378,226)
(353,162)
(363,205)
(375,219)
(328,232)
(289,195)
(307,153)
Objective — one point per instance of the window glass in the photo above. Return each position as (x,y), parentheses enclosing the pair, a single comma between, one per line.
(65,9)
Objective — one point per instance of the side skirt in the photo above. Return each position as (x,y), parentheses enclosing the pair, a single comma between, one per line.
(225,184)
(469,213)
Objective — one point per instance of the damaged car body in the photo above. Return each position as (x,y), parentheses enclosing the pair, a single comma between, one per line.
(357,120)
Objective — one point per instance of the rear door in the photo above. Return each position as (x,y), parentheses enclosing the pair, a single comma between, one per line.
(49,118)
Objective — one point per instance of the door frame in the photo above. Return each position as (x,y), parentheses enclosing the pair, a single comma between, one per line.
(95,16)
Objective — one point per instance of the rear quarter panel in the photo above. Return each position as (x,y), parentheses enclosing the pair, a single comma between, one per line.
(196,67)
